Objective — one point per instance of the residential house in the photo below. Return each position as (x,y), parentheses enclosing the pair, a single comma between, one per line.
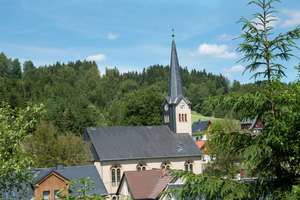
(253,125)
(200,140)
(144,184)
(198,127)
(48,181)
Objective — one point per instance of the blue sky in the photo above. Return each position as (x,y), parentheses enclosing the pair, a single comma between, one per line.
(135,34)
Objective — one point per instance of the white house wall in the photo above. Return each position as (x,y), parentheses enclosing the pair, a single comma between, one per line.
(130,165)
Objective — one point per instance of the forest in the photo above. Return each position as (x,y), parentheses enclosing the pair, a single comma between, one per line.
(77,95)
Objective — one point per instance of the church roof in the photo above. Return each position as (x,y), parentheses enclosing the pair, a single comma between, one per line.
(175,93)
(139,142)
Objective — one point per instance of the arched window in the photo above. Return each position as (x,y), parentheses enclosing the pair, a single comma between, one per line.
(185,117)
(166,165)
(141,167)
(180,117)
(188,165)
(115,175)
(115,197)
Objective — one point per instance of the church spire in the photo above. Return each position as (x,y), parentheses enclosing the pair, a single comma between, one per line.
(175,92)
(176,107)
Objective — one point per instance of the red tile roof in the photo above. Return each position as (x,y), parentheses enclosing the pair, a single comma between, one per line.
(161,184)
(200,143)
(142,183)
(147,184)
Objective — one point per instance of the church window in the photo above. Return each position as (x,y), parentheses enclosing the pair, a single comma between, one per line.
(115,175)
(188,166)
(180,117)
(166,165)
(141,167)
(185,117)
(167,118)
(115,197)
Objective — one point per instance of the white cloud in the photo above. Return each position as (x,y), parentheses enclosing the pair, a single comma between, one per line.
(226,75)
(238,68)
(99,57)
(226,37)
(111,36)
(214,50)
(294,14)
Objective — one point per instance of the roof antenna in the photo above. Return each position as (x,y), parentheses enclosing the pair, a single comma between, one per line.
(179,145)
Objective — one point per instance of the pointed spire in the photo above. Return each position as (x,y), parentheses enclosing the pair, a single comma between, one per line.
(175,84)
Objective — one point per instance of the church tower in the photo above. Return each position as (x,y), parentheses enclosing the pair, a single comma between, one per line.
(176,107)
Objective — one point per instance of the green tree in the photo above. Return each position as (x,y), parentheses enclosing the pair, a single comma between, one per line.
(28,69)
(143,107)
(222,164)
(272,157)
(259,47)
(16,69)
(14,125)
(51,147)
(4,66)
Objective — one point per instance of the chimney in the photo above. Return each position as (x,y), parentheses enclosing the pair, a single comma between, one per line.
(199,121)
(163,172)
(59,166)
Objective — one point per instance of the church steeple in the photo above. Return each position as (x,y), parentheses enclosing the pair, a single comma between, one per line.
(175,84)
(176,107)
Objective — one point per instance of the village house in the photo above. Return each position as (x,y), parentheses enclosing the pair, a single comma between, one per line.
(47,182)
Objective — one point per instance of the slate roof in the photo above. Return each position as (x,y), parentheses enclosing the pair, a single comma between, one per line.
(70,173)
(199,126)
(138,142)
(175,93)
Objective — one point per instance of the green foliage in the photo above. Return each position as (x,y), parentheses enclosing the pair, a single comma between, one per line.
(143,108)
(272,156)
(48,147)
(14,125)
(222,164)
(259,48)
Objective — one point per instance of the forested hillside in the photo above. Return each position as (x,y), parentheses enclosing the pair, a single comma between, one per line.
(77,95)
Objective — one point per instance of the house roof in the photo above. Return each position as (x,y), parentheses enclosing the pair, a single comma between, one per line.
(250,121)
(199,126)
(175,92)
(161,184)
(141,183)
(200,143)
(69,173)
(146,184)
(139,142)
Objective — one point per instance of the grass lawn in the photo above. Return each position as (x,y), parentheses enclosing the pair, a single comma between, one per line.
(196,116)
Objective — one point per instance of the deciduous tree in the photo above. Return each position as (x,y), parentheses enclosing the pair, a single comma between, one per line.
(47,147)
(14,125)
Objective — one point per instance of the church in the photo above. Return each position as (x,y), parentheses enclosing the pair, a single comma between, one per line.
(132,148)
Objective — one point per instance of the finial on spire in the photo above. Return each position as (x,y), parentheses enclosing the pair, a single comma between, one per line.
(173,32)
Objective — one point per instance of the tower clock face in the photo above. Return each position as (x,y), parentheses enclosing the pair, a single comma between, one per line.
(182,105)
(166,107)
